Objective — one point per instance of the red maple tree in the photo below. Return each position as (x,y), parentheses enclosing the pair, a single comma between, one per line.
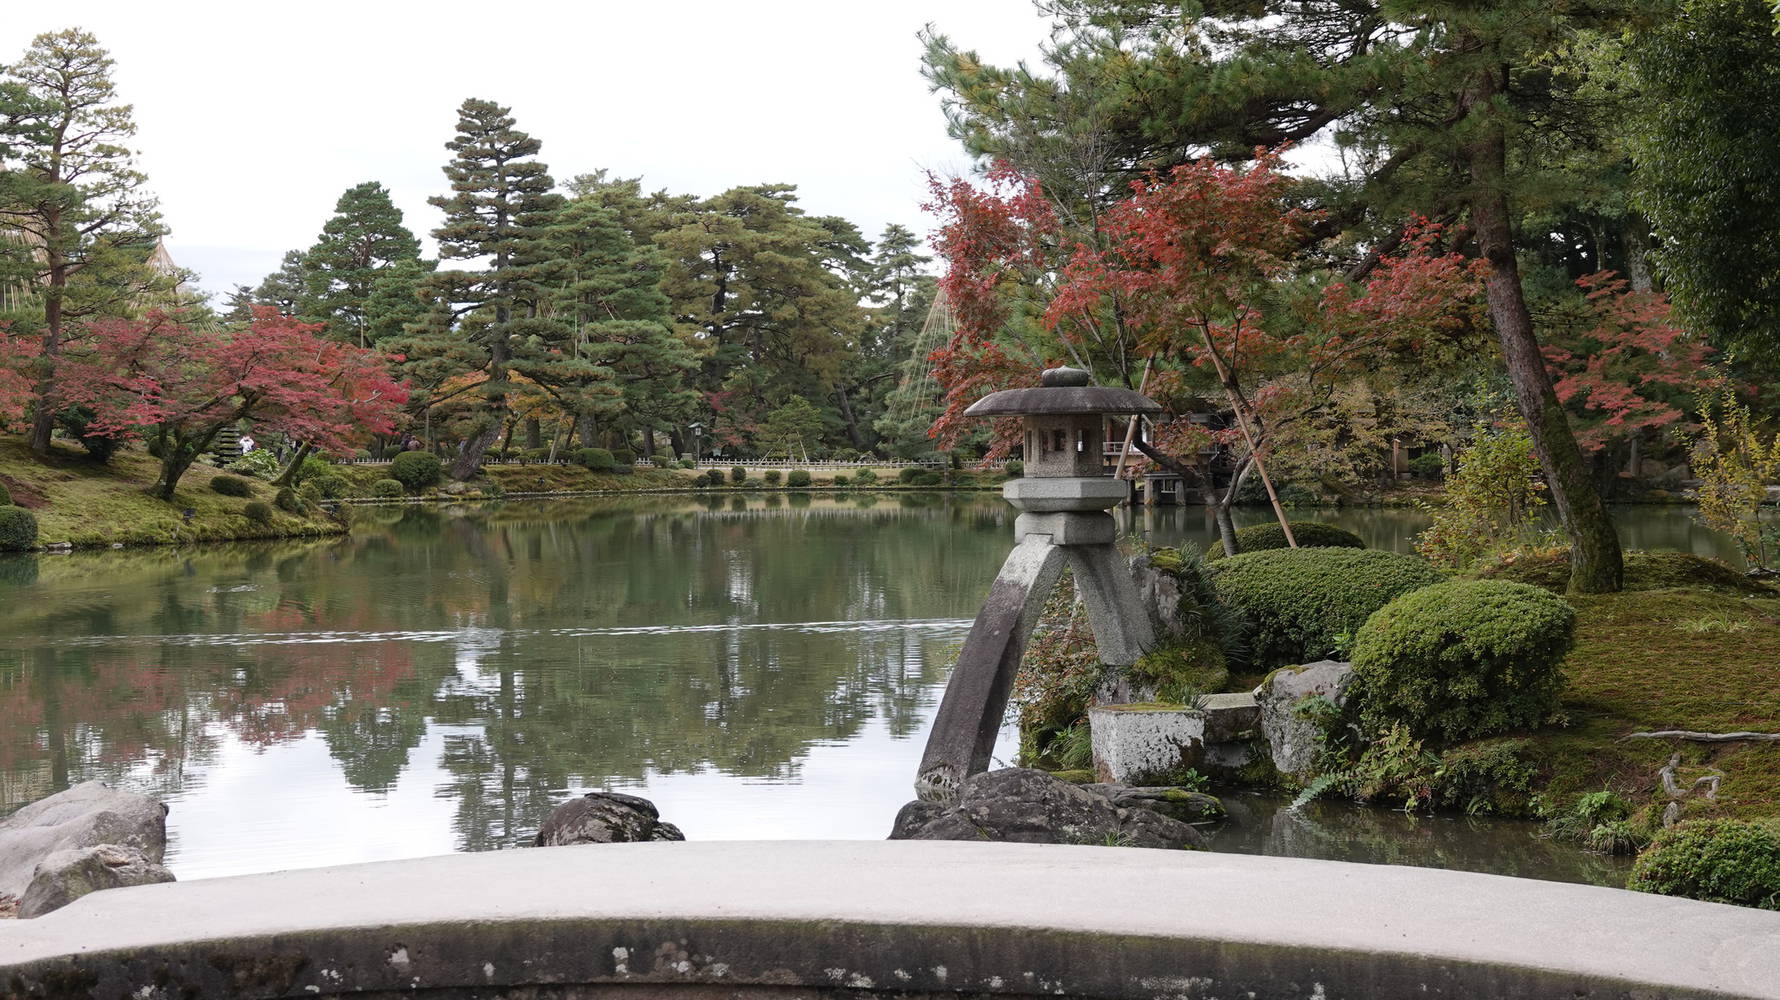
(179,386)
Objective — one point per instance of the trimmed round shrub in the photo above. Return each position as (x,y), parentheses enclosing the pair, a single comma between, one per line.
(798,477)
(1463,660)
(386,488)
(1310,535)
(535,454)
(1717,860)
(18,529)
(1014,468)
(231,486)
(686,463)
(5,496)
(865,477)
(738,475)
(330,486)
(908,473)
(288,501)
(624,456)
(416,470)
(841,480)
(310,492)
(258,511)
(1428,465)
(714,477)
(662,462)
(928,478)
(1300,604)
(772,477)
(595,459)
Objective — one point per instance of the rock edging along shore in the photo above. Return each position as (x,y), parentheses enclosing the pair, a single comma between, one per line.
(86,838)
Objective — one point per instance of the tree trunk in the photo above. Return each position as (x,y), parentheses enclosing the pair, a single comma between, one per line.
(1222,511)
(584,428)
(469,458)
(677,442)
(648,442)
(534,434)
(1596,564)
(289,474)
(44,420)
(1637,252)
(853,434)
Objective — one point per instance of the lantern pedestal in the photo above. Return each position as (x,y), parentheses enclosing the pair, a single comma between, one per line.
(1063,521)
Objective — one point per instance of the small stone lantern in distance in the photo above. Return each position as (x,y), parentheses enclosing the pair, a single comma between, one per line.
(1063,500)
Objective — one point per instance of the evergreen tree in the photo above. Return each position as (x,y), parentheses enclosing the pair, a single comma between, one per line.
(500,196)
(287,289)
(364,238)
(75,194)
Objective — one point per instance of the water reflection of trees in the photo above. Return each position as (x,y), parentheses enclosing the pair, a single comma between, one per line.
(551,647)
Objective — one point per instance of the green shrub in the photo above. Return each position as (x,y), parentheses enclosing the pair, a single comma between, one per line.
(288,501)
(231,486)
(1293,495)
(686,463)
(535,454)
(329,486)
(624,456)
(310,493)
(908,473)
(797,477)
(662,462)
(1717,860)
(772,477)
(714,477)
(386,488)
(259,463)
(1428,466)
(1463,660)
(18,529)
(928,478)
(865,477)
(1014,468)
(840,480)
(1310,535)
(738,475)
(1303,604)
(259,512)
(416,470)
(595,459)
(5,496)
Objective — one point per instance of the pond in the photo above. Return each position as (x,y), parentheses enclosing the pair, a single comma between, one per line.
(761,666)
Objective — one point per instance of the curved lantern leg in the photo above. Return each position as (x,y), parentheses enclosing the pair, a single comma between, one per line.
(1122,629)
(970,714)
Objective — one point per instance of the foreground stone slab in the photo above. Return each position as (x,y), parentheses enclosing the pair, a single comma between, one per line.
(837,918)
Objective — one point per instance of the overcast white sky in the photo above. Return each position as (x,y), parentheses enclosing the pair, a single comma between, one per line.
(253,117)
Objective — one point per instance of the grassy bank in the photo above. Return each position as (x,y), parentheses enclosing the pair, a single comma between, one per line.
(83,503)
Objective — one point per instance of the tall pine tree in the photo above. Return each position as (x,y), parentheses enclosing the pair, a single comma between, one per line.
(364,238)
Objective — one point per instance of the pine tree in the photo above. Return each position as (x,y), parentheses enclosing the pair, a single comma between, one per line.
(501,194)
(364,238)
(287,289)
(75,194)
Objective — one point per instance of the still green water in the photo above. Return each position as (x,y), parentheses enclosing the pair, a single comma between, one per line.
(761,667)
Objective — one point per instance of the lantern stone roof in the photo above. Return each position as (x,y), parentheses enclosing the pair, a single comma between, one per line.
(1063,391)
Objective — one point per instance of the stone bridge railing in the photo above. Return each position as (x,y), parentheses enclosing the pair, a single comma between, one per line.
(790,919)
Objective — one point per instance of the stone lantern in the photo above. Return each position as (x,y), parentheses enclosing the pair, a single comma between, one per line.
(1063,500)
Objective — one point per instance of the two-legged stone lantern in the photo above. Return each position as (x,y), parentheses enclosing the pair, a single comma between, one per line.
(1063,501)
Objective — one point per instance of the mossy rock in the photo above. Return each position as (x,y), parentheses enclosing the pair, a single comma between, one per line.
(1643,571)
(1075,777)
(1309,535)
(1182,671)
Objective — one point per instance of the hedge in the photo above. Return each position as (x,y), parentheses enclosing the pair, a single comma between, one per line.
(772,477)
(595,459)
(1717,860)
(1299,603)
(1310,535)
(231,486)
(1463,660)
(386,488)
(797,477)
(416,470)
(738,475)
(18,529)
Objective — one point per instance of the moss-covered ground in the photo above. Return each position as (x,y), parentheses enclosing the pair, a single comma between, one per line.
(82,502)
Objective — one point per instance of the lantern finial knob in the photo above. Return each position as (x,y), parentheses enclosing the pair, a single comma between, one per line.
(1057,377)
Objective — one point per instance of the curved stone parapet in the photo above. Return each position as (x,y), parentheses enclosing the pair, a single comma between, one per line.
(789,919)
